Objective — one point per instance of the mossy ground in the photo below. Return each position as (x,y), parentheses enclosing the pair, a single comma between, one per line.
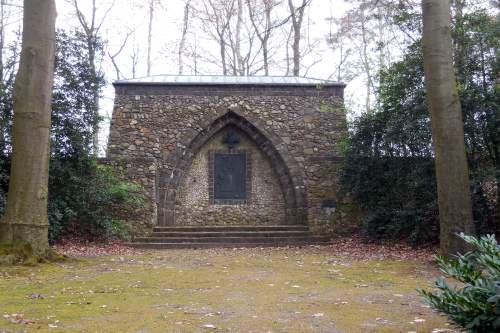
(22,254)
(249,290)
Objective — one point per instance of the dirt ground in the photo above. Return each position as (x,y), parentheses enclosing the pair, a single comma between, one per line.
(312,289)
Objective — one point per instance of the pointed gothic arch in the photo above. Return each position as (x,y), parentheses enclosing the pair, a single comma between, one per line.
(290,175)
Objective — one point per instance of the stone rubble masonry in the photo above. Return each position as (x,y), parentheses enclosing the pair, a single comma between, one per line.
(163,135)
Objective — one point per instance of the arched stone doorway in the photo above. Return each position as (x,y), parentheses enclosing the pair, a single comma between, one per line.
(278,189)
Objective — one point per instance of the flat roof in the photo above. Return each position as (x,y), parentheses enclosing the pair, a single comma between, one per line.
(227,80)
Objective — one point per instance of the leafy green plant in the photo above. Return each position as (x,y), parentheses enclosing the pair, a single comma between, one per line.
(474,303)
(94,205)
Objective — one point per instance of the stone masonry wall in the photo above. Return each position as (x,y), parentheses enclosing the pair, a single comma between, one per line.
(157,129)
(265,204)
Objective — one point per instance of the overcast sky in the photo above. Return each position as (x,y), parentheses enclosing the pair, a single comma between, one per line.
(129,15)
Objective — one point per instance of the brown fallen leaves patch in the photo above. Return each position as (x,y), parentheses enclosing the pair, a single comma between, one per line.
(354,248)
(82,249)
(349,248)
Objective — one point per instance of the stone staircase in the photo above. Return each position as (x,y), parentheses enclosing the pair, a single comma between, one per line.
(192,237)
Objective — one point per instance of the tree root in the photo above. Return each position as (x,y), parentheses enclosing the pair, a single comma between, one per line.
(22,254)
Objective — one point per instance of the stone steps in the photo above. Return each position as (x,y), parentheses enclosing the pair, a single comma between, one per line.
(201,234)
(165,245)
(233,228)
(248,239)
(177,237)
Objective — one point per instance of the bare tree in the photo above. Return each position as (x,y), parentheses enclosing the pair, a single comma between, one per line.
(91,26)
(10,13)
(260,16)
(182,43)
(249,59)
(150,33)
(237,58)
(152,7)
(289,35)
(135,57)
(356,30)
(234,33)
(297,16)
(25,220)
(366,27)
(364,55)
(216,19)
(193,53)
(452,174)
(113,55)
(238,26)
(338,42)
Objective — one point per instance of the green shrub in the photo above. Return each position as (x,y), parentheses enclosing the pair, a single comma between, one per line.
(397,194)
(473,304)
(91,201)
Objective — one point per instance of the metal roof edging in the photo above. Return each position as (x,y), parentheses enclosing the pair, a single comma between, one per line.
(322,84)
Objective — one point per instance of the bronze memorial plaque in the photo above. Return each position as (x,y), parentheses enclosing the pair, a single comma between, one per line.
(230,176)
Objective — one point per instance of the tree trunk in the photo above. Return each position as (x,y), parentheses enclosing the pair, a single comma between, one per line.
(455,208)
(287,50)
(460,42)
(182,43)
(265,57)
(296,53)
(150,33)
(222,46)
(366,61)
(264,35)
(2,41)
(95,93)
(296,39)
(495,142)
(239,22)
(267,34)
(3,123)
(297,15)
(25,219)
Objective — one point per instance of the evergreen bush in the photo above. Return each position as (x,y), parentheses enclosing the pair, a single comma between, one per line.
(474,303)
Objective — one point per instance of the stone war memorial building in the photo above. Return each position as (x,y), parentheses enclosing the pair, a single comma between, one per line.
(230,161)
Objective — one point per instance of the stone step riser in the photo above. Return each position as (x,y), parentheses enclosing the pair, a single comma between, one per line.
(232,234)
(160,246)
(230,228)
(223,239)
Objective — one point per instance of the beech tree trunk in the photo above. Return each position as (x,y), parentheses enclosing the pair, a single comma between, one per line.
(455,208)
(25,219)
